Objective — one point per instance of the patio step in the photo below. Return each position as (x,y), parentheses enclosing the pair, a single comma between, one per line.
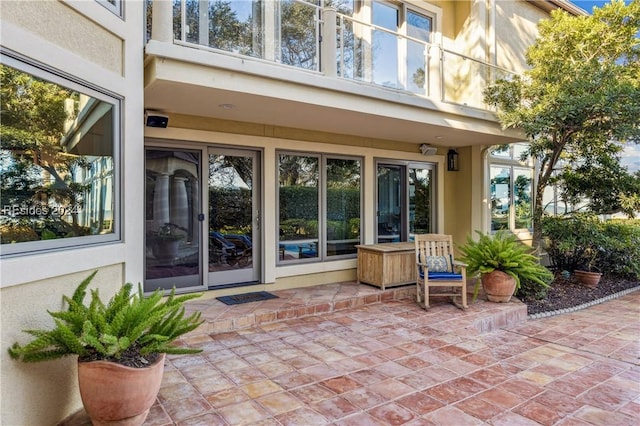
(482,315)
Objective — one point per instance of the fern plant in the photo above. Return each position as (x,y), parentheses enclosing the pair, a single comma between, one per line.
(503,252)
(128,326)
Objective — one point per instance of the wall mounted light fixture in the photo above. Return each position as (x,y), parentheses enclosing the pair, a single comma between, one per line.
(452,160)
(155,119)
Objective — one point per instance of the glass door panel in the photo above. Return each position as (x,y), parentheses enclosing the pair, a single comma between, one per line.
(233,201)
(420,201)
(406,201)
(172,228)
(390,200)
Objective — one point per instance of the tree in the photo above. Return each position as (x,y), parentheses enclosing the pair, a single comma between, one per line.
(581,95)
(35,171)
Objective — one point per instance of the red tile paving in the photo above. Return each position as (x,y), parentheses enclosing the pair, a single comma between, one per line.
(350,354)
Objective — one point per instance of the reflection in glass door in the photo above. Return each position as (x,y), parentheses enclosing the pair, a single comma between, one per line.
(233,217)
(405,201)
(390,200)
(420,200)
(172,228)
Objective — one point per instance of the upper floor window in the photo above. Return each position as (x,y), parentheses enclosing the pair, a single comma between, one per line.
(58,161)
(511,188)
(391,51)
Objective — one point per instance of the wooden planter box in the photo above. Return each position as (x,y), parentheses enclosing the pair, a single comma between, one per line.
(387,264)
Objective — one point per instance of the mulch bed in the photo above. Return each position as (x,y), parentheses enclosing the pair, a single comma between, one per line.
(568,293)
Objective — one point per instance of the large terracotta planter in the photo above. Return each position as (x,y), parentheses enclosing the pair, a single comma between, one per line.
(498,286)
(166,251)
(588,279)
(114,394)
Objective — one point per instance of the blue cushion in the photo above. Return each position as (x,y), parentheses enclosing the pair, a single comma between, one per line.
(444,276)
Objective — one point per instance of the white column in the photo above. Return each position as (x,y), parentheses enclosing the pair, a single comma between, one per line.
(161,200)
(179,203)
(162,21)
(271,31)
(329,44)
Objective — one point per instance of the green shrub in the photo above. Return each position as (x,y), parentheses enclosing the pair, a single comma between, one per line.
(129,324)
(573,242)
(532,289)
(583,241)
(620,253)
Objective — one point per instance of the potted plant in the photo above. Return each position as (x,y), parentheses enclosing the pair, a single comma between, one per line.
(585,273)
(502,262)
(121,346)
(165,242)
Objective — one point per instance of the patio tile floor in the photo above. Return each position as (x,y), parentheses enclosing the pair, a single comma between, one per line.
(379,359)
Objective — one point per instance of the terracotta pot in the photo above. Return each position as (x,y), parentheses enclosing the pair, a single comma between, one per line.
(166,251)
(498,286)
(588,279)
(114,394)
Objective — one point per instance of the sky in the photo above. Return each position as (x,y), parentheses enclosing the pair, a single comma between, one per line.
(588,5)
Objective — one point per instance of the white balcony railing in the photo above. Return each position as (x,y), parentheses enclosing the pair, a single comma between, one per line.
(300,34)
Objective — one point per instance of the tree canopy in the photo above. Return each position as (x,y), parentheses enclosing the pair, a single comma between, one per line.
(579,101)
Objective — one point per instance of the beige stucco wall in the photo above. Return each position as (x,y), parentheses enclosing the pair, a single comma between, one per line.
(515,29)
(457,198)
(86,40)
(66,27)
(42,393)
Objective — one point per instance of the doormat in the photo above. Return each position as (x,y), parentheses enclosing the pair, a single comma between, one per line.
(246,298)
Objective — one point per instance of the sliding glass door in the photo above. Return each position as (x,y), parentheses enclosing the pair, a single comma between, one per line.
(405,199)
(233,224)
(173,226)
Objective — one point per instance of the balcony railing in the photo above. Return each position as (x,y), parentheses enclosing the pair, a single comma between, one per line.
(300,34)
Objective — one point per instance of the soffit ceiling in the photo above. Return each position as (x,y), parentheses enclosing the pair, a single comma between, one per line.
(313,109)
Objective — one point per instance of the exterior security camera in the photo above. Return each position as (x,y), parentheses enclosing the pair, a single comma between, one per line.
(155,119)
(428,149)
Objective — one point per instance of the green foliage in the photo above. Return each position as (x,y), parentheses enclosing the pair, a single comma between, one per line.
(616,189)
(531,289)
(503,252)
(581,93)
(129,322)
(620,255)
(573,242)
(582,241)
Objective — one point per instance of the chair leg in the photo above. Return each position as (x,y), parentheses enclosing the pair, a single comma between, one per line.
(426,295)
(464,297)
(418,292)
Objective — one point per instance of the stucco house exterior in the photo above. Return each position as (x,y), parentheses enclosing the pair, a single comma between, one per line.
(237,146)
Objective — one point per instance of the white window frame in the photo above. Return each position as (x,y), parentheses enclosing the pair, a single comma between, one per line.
(53,76)
(513,163)
(322,205)
(116,7)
